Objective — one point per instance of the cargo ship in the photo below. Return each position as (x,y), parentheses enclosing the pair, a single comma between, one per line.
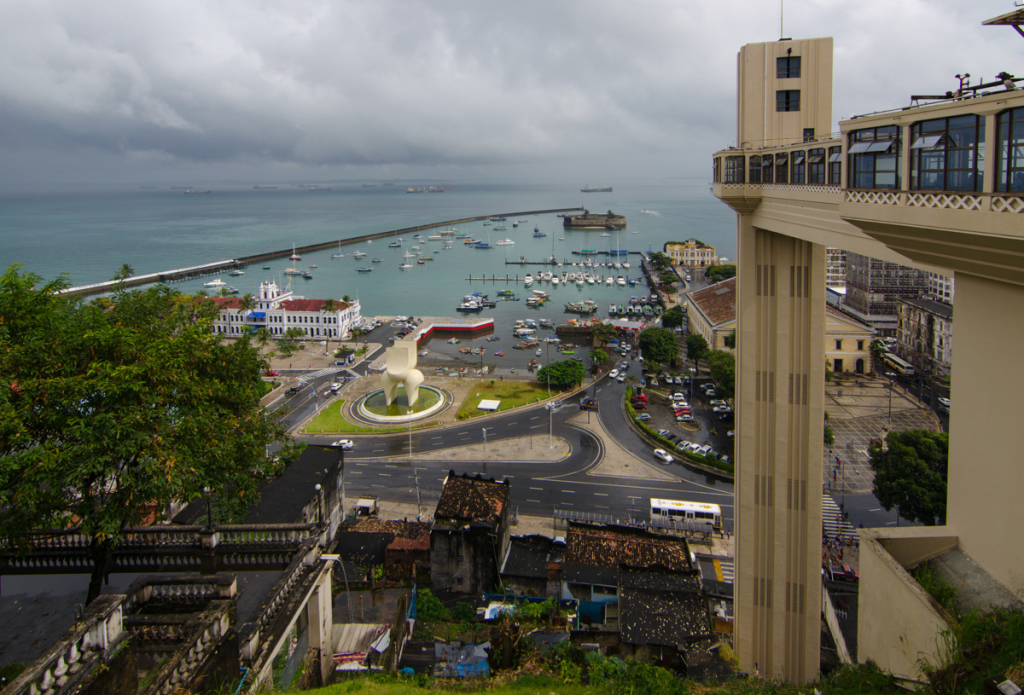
(590,189)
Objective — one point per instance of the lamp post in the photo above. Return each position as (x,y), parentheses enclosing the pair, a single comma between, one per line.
(547,378)
(890,376)
(319,505)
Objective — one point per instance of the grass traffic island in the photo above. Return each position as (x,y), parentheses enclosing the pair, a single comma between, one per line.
(511,394)
(331,420)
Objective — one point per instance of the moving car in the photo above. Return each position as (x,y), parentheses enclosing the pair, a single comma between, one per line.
(588,404)
(663,456)
(614,373)
(293,390)
(344,444)
(944,403)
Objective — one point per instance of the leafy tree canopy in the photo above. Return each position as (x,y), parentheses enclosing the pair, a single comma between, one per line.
(603,332)
(667,277)
(723,370)
(563,374)
(110,414)
(673,317)
(910,474)
(660,260)
(717,273)
(658,345)
(696,348)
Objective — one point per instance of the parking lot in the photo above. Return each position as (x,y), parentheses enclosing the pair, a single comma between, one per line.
(685,413)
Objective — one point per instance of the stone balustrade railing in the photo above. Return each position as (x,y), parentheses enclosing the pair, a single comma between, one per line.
(94,639)
(198,638)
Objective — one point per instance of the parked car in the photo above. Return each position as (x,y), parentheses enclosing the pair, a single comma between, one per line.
(718,402)
(684,417)
(270,372)
(730,434)
(710,393)
(639,405)
(725,459)
(664,456)
(664,433)
(843,573)
(643,417)
(722,409)
(726,417)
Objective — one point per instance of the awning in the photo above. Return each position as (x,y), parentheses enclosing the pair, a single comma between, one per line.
(934,141)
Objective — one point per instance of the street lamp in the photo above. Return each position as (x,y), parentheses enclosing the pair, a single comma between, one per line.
(891,376)
(547,378)
(319,506)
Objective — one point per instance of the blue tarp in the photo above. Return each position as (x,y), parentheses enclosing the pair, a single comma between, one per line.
(257,315)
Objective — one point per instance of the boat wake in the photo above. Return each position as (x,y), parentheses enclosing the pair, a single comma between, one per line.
(651,212)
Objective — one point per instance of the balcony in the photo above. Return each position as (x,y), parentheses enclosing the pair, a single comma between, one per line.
(940,184)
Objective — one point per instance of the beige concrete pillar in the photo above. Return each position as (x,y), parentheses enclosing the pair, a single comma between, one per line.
(320,616)
(781,374)
(986,437)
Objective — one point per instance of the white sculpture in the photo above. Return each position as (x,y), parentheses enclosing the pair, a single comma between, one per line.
(400,368)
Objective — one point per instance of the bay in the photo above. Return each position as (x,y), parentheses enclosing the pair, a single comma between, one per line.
(88,235)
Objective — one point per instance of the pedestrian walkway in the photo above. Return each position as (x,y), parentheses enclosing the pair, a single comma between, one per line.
(305,378)
(725,571)
(833,524)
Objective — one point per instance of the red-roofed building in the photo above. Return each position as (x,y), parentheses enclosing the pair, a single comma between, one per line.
(278,310)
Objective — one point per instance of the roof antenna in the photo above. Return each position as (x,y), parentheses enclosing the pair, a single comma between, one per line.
(781,9)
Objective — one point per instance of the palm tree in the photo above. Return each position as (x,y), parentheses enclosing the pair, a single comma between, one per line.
(330,307)
(124,272)
(246,304)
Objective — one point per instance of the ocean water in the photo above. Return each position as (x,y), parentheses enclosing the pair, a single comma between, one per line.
(87,236)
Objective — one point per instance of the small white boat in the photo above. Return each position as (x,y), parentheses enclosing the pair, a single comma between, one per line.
(358,254)
(505,242)
(404,266)
(215,283)
(236,272)
(609,280)
(528,280)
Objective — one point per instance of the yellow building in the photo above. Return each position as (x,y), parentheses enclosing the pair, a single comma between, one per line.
(937,187)
(712,314)
(847,343)
(691,253)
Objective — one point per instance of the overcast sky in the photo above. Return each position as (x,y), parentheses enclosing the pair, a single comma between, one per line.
(605,91)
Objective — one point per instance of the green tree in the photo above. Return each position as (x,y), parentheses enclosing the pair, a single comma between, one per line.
(717,273)
(660,261)
(597,358)
(697,348)
(246,304)
(124,272)
(722,366)
(910,475)
(730,340)
(602,333)
(878,351)
(673,317)
(563,374)
(658,345)
(667,277)
(106,415)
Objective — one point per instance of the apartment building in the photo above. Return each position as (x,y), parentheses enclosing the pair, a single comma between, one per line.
(875,286)
(936,187)
(925,335)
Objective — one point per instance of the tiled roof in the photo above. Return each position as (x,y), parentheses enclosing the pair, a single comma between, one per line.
(304,304)
(653,616)
(610,546)
(472,498)
(531,556)
(717,302)
(405,535)
(226,302)
(931,306)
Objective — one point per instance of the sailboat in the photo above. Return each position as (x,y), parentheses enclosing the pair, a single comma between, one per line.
(294,256)
(336,255)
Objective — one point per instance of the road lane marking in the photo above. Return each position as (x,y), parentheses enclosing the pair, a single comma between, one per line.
(569,492)
(536,488)
(534,501)
(601,494)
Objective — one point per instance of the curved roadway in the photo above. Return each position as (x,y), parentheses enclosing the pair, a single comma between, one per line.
(573,484)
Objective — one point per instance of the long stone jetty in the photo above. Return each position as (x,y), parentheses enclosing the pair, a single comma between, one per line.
(241,262)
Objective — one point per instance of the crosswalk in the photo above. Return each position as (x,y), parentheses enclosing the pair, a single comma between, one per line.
(306,378)
(832,523)
(725,571)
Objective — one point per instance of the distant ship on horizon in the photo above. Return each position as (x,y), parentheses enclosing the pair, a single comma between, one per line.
(590,189)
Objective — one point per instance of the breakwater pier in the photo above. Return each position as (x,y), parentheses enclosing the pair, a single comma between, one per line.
(243,261)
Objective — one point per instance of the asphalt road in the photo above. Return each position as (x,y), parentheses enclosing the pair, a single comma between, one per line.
(375,465)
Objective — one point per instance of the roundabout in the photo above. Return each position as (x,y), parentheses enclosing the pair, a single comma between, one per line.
(374,408)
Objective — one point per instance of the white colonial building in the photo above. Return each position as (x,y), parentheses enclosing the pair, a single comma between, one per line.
(278,310)
(691,253)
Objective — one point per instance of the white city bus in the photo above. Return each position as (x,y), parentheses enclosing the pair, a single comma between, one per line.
(668,513)
(900,365)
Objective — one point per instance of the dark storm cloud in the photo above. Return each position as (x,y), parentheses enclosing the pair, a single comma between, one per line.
(404,86)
